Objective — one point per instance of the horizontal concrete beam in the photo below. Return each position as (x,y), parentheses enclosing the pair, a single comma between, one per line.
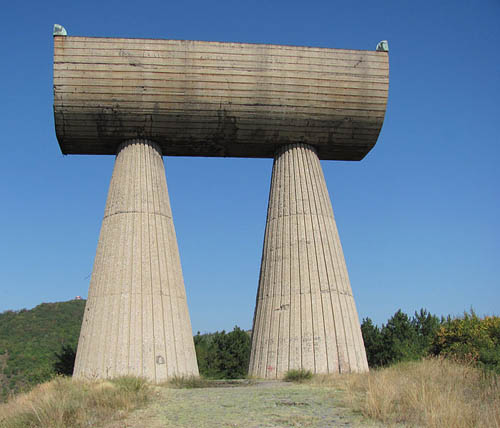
(217,99)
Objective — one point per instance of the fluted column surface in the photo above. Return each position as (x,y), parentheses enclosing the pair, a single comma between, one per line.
(136,319)
(305,315)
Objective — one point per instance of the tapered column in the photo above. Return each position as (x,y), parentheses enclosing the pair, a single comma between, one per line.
(136,319)
(305,315)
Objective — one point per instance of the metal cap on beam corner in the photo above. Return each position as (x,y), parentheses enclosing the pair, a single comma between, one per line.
(59,30)
(382,46)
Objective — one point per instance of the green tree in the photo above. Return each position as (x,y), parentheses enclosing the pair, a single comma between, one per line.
(426,326)
(223,355)
(399,340)
(232,353)
(373,342)
(65,360)
(205,354)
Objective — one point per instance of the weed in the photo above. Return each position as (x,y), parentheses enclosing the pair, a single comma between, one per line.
(300,375)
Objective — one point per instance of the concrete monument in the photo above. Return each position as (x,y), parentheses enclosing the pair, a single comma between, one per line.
(141,99)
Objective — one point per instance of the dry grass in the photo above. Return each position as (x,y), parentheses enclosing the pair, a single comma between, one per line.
(64,402)
(429,393)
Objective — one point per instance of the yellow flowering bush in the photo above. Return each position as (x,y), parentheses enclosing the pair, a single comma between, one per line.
(470,339)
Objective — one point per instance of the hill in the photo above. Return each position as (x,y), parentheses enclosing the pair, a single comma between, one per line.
(29,339)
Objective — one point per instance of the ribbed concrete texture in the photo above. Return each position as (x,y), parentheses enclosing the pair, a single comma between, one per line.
(305,315)
(136,320)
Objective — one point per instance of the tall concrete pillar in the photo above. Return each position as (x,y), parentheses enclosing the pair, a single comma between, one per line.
(136,319)
(305,315)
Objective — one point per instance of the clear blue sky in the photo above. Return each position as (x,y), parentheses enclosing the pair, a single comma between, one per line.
(418,217)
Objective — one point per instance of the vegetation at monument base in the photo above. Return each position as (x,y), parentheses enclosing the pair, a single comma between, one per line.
(38,343)
(409,385)
(29,340)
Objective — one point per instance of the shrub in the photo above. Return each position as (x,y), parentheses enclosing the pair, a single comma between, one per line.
(470,339)
(300,375)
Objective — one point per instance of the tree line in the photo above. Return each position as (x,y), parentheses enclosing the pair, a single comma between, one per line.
(468,339)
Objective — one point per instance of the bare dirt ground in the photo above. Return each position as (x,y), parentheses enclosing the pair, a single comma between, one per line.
(262,404)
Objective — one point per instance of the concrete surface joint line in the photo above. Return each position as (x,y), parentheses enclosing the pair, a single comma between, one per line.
(136,319)
(305,315)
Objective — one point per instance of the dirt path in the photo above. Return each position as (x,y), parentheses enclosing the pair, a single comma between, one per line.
(265,404)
